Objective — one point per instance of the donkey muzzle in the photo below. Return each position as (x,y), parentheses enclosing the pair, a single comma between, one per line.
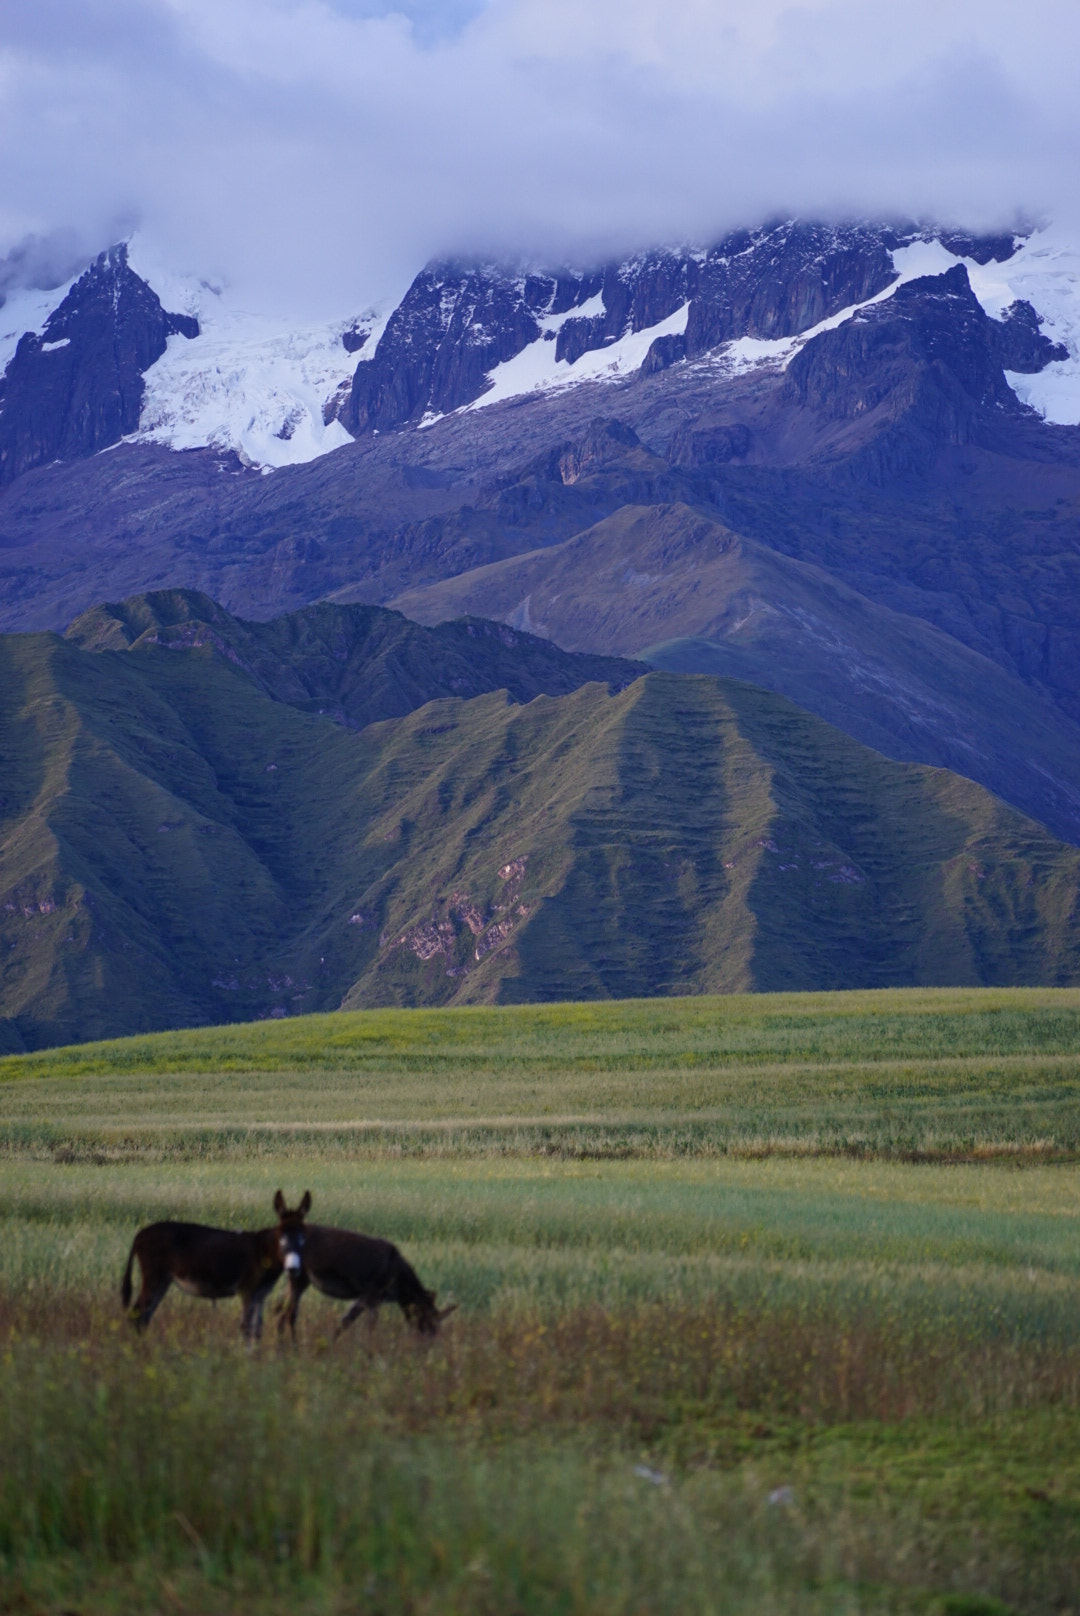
(292,1262)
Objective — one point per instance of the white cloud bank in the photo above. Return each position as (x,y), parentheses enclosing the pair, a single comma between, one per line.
(315,155)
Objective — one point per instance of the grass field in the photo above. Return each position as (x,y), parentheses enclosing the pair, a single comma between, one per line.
(766,1304)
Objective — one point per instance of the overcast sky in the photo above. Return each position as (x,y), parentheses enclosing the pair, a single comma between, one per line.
(316,152)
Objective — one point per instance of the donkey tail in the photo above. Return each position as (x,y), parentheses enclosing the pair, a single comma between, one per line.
(125,1283)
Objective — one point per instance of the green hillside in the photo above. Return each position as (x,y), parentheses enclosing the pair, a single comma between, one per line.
(178,846)
(678,589)
(356,664)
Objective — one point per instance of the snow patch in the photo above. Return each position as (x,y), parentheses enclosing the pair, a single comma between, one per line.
(250,382)
(591,309)
(536,370)
(247,384)
(27,311)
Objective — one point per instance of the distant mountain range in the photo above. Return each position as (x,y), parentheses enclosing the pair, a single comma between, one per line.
(839,463)
(193,830)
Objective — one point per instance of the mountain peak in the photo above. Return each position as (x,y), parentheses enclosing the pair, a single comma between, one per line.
(77,386)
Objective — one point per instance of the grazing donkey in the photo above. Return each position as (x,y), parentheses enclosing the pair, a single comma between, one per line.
(214,1263)
(359,1269)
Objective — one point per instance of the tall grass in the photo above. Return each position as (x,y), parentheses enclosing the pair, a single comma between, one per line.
(697,1269)
(499,1469)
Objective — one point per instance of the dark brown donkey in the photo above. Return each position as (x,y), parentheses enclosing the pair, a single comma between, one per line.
(364,1271)
(215,1263)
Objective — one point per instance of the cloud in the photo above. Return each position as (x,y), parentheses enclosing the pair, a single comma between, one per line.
(43,262)
(317,153)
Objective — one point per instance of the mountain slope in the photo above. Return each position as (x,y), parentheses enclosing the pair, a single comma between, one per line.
(886,444)
(676,588)
(354,664)
(179,846)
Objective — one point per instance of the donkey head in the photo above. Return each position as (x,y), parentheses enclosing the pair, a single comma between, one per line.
(426,1316)
(290,1231)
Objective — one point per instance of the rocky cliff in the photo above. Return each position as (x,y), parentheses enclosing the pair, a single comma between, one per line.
(452,327)
(456,323)
(77,387)
(922,371)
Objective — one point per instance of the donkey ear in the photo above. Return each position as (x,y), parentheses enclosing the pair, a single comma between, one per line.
(305,1204)
(279,1203)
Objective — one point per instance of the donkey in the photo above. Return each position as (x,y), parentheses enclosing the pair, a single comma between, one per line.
(214,1263)
(362,1270)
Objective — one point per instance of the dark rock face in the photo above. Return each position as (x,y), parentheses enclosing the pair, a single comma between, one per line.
(78,387)
(928,356)
(710,446)
(781,281)
(601,446)
(663,352)
(1019,343)
(982,249)
(453,325)
(636,295)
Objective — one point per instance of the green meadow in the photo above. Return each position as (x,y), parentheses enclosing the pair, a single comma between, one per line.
(765,1304)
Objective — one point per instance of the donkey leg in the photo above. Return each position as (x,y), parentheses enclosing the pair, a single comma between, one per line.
(251,1316)
(354,1312)
(149,1300)
(298,1284)
(249,1320)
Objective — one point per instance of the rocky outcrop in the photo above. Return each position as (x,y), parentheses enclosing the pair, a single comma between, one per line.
(694,446)
(981,249)
(663,352)
(353,339)
(636,295)
(453,326)
(924,369)
(1019,343)
(783,280)
(78,386)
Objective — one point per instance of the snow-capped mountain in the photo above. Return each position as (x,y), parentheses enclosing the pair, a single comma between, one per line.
(886,417)
(466,337)
(74,385)
(1043,272)
(471,336)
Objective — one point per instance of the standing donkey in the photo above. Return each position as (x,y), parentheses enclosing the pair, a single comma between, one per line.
(362,1270)
(214,1263)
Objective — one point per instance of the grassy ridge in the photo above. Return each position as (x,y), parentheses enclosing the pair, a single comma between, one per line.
(177,847)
